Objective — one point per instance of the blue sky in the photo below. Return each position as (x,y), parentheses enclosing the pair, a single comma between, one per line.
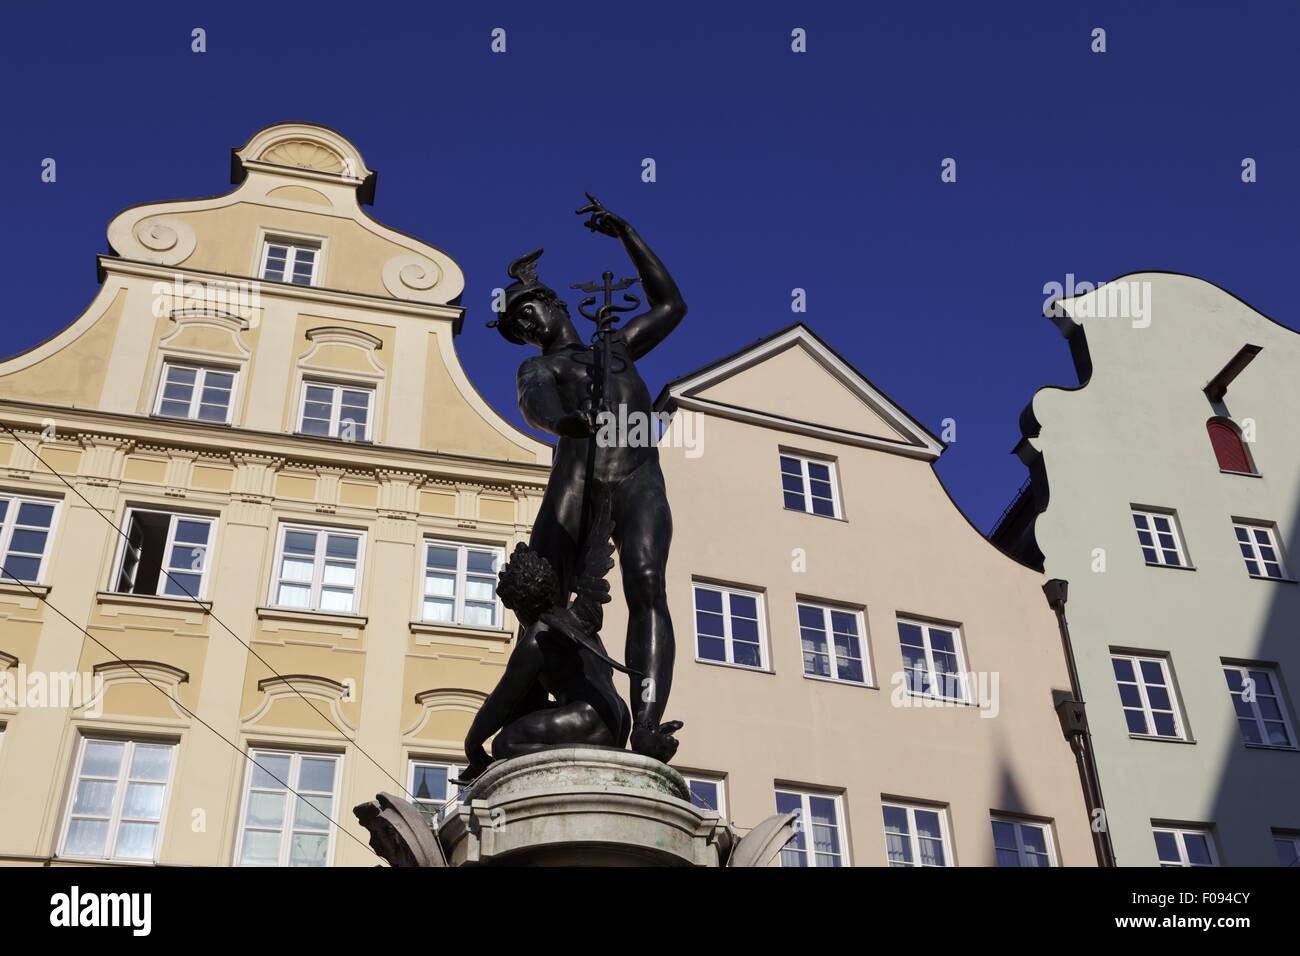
(774,170)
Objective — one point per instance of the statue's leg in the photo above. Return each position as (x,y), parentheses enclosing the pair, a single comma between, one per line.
(643,532)
(575,723)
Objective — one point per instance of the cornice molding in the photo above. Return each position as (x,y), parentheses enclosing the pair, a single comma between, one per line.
(115,265)
(268,449)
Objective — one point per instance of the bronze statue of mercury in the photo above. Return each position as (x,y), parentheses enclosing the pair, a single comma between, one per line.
(565,389)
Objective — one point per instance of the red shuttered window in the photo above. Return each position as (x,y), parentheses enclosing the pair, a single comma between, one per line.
(1229,449)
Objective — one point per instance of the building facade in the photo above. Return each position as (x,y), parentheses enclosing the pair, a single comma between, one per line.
(251,512)
(1164,489)
(847,643)
(249,505)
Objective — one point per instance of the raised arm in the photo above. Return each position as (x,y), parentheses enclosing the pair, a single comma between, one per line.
(667,308)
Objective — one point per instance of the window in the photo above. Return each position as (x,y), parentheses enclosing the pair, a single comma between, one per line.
(319,569)
(822,813)
(933,660)
(1184,847)
(295,262)
(708,793)
(1229,449)
(431,787)
(1022,843)
(336,411)
(729,626)
(116,807)
(809,485)
(1146,692)
(197,393)
(279,828)
(1158,535)
(1287,845)
(1259,547)
(916,836)
(832,643)
(25,527)
(165,554)
(460,584)
(1257,701)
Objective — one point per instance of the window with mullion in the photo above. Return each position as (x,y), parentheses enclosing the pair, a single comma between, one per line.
(1259,548)
(460,584)
(336,411)
(707,793)
(196,392)
(165,554)
(295,263)
(1159,537)
(1257,702)
(820,815)
(288,809)
(1146,692)
(1022,843)
(25,528)
(729,626)
(808,484)
(431,786)
(318,569)
(933,660)
(915,835)
(1177,846)
(831,639)
(115,810)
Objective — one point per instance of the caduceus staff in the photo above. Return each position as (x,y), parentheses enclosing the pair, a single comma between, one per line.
(604,317)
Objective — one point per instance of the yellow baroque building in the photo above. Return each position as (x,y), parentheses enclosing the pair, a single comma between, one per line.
(249,503)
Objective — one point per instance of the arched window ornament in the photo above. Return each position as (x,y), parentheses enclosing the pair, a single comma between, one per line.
(1229,449)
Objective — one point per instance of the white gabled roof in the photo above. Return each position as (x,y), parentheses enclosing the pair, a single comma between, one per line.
(873,421)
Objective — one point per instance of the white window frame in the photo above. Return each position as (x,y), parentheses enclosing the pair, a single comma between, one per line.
(322,531)
(435,810)
(834,482)
(293,244)
(200,377)
(763,655)
(1180,839)
(714,781)
(913,834)
(805,814)
(336,407)
(1148,712)
(9,524)
(1149,515)
(1274,691)
(462,549)
(826,609)
(959,647)
(173,518)
(1018,823)
(1252,530)
(120,784)
(290,801)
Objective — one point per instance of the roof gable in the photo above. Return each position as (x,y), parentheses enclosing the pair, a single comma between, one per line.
(793,381)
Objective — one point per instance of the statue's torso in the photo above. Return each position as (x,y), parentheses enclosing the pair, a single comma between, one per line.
(628,400)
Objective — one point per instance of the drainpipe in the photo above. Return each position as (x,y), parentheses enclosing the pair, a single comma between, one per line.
(1074,724)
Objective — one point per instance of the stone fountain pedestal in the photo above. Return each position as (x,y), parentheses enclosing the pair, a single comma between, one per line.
(582,806)
(571,806)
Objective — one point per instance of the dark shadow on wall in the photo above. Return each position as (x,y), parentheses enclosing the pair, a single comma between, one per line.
(1258,790)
